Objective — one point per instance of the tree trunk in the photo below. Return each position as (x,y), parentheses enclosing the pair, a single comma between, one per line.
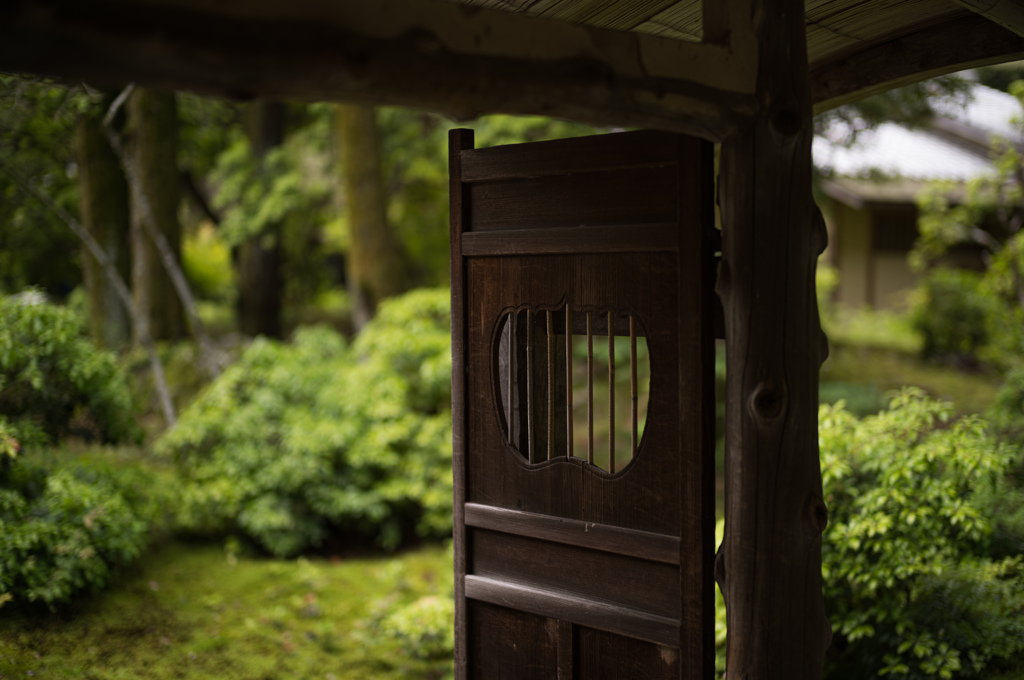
(259,258)
(376,264)
(153,134)
(105,214)
(769,566)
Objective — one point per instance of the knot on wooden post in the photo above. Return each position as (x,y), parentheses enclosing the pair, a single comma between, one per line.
(786,122)
(818,513)
(767,403)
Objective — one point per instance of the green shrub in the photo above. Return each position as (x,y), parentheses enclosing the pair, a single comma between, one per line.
(1007,413)
(64,532)
(953,315)
(298,443)
(421,626)
(1004,499)
(425,629)
(909,584)
(52,375)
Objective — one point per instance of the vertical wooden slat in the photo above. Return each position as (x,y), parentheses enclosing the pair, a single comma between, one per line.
(551,384)
(511,377)
(611,394)
(566,654)
(696,352)
(459,201)
(529,386)
(590,388)
(633,381)
(568,381)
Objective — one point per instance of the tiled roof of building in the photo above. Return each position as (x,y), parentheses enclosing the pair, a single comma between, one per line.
(957,146)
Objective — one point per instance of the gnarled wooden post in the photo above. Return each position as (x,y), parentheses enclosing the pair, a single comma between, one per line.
(769,565)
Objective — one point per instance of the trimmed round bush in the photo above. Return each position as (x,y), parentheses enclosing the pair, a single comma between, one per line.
(53,376)
(299,443)
(65,532)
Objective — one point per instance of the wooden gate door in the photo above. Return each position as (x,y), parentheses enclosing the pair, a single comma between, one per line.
(583,354)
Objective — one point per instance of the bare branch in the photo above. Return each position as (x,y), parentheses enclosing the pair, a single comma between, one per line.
(117,104)
(208,357)
(139,320)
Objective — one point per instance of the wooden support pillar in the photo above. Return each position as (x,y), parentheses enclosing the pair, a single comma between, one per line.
(769,565)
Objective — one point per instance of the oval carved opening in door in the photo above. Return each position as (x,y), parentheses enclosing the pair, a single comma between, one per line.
(569,387)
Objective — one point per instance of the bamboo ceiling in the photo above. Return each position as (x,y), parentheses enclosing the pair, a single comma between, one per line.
(833,26)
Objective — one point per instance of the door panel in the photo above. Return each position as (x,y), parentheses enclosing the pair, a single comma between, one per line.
(568,259)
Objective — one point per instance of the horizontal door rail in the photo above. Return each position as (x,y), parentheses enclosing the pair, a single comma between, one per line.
(579,610)
(630,542)
(641,238)
(622,151)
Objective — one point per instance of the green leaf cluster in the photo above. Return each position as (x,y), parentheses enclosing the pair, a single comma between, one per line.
(298,444)
(911,586)
(64,532)
(985,221)
(414,154)
(52,375)
(37,119)
(286,197)
(958,319)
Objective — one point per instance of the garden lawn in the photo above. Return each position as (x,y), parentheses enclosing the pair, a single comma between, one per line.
(863,375)
(197,611)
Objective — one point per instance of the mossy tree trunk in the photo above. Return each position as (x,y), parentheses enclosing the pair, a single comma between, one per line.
(153,139)
(259,258)
(377,266)
(104,206)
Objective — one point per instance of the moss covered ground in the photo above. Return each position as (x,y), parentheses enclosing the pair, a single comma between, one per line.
(198,611)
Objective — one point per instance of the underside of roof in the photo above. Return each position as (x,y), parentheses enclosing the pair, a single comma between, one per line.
(673,64)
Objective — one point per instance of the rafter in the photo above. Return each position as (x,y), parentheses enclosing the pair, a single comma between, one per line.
(1007,13)
(924,54)
(458,60)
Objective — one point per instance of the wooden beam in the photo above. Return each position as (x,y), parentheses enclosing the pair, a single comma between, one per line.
(961,43)
(769,564)
(461,61)
(1007,13)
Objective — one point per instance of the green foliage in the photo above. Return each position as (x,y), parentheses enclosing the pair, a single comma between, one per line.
(206,259)
(1007,413)
(296,444)
(913,105)
(987,222)
(858,398)
(425,629)
(414,152)
(286,196)
(53,375)
(720,613)
(904,492)
(64,531)
(37,119)
(952,315)
(188,611)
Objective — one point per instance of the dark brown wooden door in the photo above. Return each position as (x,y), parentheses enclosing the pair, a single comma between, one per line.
(583,353)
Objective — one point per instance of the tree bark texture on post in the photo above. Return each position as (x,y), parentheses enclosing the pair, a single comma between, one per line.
(259,258)
(153,139)
(769,565)
(103,194)
(376,263)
